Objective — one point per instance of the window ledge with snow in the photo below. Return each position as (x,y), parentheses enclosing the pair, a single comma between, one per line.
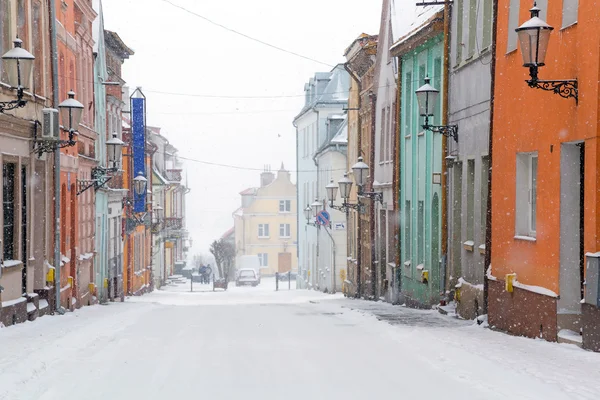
(525,238)
(12,263)
(482,249)
(469,245)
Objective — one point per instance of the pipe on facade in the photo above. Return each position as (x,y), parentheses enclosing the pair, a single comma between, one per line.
(396,178)
(374,208)
(488,217)
(445,188)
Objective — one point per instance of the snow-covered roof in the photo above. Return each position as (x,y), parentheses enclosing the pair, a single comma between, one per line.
(336,91)
(407,17)
(239,212)
(341,137)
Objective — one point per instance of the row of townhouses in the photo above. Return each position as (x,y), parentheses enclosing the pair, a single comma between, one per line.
(93,199)
(451,161)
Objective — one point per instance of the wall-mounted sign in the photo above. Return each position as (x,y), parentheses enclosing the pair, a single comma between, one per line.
(339,226)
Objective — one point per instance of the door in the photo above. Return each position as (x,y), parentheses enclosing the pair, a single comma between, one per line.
(572,162)
(284,263)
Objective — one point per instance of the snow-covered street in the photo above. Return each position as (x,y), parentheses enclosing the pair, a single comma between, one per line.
(255,343)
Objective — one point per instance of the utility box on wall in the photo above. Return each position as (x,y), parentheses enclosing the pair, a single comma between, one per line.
(592,279)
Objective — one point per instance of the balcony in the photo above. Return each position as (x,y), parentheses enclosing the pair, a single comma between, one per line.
(174,224)
(173,175)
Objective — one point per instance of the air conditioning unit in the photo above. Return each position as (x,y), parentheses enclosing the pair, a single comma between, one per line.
(50,126)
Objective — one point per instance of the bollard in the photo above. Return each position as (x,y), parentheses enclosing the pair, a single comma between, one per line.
(290,279)
(276,281)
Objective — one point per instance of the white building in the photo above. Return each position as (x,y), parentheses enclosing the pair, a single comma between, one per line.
(326,94)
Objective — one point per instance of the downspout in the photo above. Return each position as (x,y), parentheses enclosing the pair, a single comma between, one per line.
(317,198)
(488,217)
(298,210)
(374,208)
(397,177)
(55,100)
(359,144)
(445,84)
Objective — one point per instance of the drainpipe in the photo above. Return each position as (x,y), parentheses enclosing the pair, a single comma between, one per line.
(447,14)
(488,217)
(359,144)
(373,209)
(316,197)
(333,284)
(298,211)
(55,101)
(397,177)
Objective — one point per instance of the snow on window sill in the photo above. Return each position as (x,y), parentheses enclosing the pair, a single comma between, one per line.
(11,263)
(264,237)
(482,249)
(469,245)
(525,238)
(284,237)
(407,264)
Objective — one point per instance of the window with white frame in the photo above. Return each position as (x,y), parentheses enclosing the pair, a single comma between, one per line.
(526,198)
(263,230)
(513,23)
(285,206)
(569,13)
(263,259)
(284,230)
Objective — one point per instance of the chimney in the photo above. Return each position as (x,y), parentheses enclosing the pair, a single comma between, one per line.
(266,177)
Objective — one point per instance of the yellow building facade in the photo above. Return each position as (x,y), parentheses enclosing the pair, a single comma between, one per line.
(266,223)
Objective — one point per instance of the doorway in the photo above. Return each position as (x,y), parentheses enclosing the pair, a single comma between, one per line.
(572,219)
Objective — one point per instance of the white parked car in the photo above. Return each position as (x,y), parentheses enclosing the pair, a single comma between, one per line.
(247,276)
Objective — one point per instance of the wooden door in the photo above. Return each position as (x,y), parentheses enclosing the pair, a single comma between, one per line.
(284,263)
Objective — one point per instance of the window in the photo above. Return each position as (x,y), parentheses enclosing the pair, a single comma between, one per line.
(263,259)
(8,190)
(526,198)
(470,199)
(285,206)
(388,117)
(459,30)
(408,102)
(393,130)
(421,233)
(37,42)
(5,33)
(485,168)
(472,27)
(513,23)
(382,153)
(263,230)
(487,24)
(284,230)
(569,14)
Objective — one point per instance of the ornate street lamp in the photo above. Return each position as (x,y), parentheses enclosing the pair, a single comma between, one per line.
(140,183)
(345,185)
(316,206)
(427,97)
(18,63)
(308,213)
(534,37)
(71,112)
(115,150)
(332,190)
(360,171)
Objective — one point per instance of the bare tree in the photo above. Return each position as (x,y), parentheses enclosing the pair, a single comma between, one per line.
(224,253)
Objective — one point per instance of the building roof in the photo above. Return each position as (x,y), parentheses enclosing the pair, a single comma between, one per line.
(248,192)
(408,18)
(239,212)
(114,41)
(230,232)
(336,92)
(341,137)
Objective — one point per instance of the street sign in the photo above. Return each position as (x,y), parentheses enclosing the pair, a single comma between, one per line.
(323,218)
(339,226)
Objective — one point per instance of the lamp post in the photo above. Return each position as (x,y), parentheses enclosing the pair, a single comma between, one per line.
(18,63)
(427,97)
(534,37)
(140,183)
(101,175)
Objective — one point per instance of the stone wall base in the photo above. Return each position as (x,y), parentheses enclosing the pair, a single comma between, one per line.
(14,314)
(591,327)
(522,312)
(470,301)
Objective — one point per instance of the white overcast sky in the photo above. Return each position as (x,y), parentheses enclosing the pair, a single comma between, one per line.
(180,53)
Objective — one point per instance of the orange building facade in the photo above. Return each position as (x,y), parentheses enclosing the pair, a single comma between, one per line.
(545,204)
(75,73)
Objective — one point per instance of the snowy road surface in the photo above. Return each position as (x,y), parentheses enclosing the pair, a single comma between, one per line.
(255,343)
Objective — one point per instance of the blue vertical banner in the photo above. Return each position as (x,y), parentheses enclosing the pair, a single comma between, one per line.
(138,138)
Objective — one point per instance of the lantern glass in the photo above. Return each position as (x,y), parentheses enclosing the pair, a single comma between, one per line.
(158,213)
(139,184)
(345,185)
(361,171)
(71,112)
(317,206)
(332,190)
(18,63)
(115,150)
(427,97)
(534,36)
(308,212)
